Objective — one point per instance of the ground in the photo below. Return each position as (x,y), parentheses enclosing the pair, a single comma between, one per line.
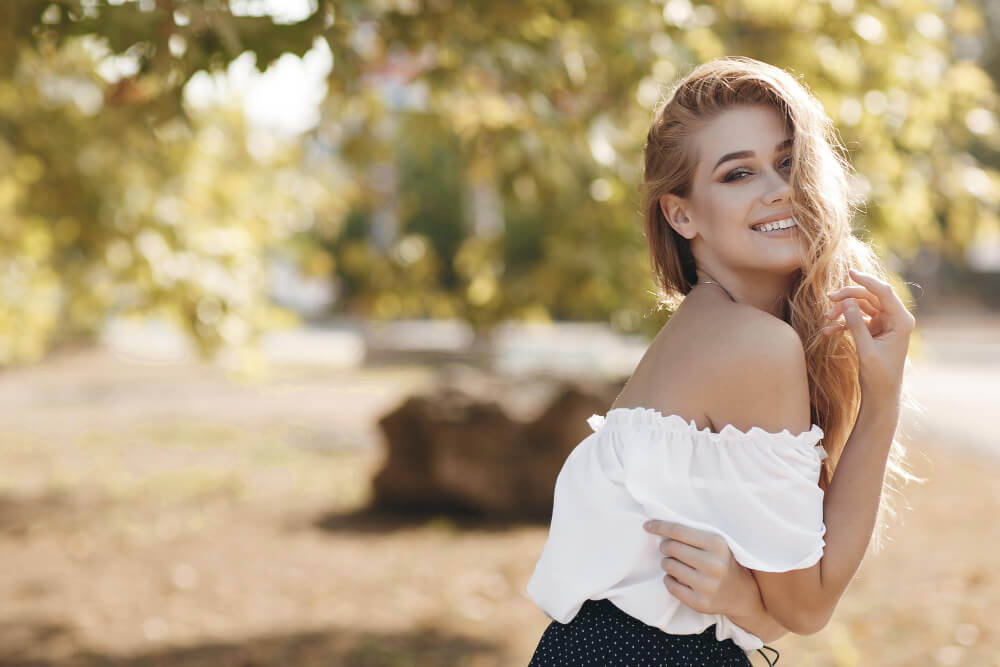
(156,515)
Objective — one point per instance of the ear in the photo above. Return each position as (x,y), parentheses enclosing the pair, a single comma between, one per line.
(674,210)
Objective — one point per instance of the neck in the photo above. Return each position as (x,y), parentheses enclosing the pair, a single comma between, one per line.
(765,291)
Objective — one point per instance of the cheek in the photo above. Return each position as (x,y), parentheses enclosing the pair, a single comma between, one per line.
(729,211)
(736,208)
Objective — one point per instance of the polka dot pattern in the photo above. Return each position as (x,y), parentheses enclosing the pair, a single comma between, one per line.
(603,634)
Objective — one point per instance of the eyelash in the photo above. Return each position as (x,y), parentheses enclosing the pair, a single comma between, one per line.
(727,179)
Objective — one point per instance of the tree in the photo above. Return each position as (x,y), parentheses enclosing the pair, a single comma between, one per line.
(532,114)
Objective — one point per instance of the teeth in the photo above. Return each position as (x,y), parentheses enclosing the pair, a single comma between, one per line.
(777,224)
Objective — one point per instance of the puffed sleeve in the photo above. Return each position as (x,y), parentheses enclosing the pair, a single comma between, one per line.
(757,489)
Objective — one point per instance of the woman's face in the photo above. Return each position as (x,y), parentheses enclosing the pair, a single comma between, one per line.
(731,193)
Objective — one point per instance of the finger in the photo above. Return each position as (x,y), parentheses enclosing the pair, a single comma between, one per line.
(838,309)
(856,292)
(831,328)
(656,527)
(836,326)
(899,316)
(879,318)
(873,323)
(675,531)
(686,594)
(841,325)
(686,574)
(700,559)
(859,329)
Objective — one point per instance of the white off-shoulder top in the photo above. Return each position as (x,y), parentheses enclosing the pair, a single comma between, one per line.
(757,489)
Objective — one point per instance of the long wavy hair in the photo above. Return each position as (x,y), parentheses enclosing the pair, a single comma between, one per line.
(824,207)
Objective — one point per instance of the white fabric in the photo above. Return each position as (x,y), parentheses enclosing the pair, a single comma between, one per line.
(757,489)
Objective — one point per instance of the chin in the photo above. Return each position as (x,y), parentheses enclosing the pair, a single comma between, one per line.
(783,268)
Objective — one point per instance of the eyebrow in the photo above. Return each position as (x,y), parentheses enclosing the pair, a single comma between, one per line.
(741,154)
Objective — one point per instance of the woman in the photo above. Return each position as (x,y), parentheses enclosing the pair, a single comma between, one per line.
(748,220)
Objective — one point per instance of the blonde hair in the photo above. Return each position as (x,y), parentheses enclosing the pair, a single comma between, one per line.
(823,205)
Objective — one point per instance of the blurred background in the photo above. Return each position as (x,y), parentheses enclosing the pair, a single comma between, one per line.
(304,302)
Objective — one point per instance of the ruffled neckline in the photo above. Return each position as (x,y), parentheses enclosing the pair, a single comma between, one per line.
(653,418)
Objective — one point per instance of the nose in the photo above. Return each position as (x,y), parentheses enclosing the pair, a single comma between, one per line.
(782,192)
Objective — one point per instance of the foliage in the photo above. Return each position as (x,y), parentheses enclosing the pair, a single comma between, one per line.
(114,203)
(536,110)
(551,102)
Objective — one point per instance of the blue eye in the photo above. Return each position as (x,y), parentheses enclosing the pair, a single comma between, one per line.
(730,176)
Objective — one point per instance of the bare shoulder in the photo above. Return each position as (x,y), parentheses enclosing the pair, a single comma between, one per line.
(763,372)
(755,329)
(722,363)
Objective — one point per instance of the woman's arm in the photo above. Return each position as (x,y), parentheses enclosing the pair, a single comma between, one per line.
(804,600)
(757,620)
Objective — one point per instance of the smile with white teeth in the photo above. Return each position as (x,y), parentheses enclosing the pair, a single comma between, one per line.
(776,225)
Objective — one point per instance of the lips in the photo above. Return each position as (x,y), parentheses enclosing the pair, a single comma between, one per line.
(779,229)
(787,231)
(758,227)
(773,218)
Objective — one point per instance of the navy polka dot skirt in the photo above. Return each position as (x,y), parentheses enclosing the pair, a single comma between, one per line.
(603,634)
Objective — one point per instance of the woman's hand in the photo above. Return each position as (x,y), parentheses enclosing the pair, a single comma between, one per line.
(883,340)
(701,571)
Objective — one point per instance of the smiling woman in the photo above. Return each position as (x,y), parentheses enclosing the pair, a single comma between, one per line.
(732,215)
(748,221)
